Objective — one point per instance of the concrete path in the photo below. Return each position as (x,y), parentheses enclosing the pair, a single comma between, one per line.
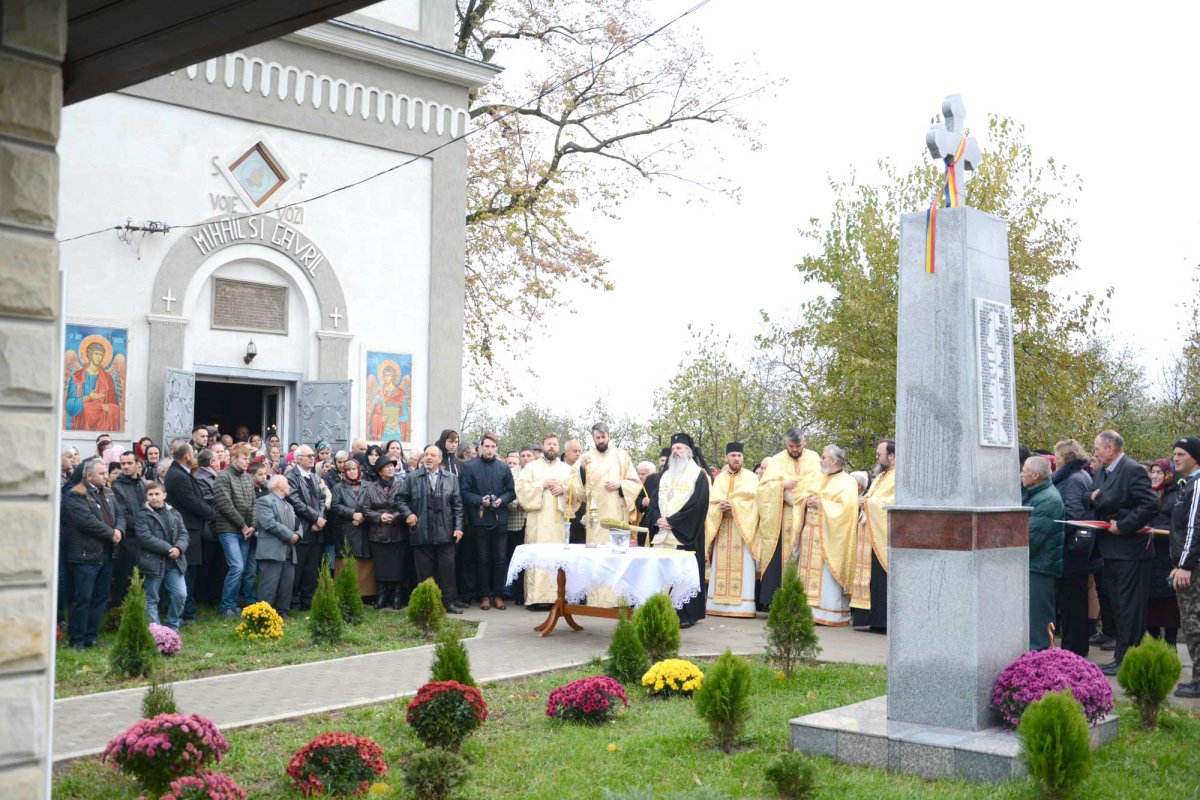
(505,646)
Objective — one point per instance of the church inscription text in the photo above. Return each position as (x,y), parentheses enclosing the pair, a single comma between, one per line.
(261,230)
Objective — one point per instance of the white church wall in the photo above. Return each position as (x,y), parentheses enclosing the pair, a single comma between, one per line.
(155,161)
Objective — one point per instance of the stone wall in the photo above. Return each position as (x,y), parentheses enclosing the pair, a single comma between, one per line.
(32,44)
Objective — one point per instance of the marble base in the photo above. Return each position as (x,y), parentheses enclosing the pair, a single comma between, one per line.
(862,735)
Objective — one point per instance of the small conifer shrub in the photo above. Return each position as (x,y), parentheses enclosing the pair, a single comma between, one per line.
(159,698)
(791,636)
(134,654)
(792,776)
(346,587)
(325,617)
(723,700)
(1148,673)
(425,609)
(658,627)
(450,659)
(1054,742)
(434,774)
(627,659)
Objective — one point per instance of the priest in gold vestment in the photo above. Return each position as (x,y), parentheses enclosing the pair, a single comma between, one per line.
(549,490)
(790,475)
(731,537)
(610,489)
(868,597)
(826,563)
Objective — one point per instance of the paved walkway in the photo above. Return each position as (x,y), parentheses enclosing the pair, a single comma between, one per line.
(505,646)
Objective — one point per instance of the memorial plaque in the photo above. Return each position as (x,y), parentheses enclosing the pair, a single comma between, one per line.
(994,361)
(246,306)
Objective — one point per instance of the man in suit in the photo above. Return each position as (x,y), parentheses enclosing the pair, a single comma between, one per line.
(432,508)
(93,524)
(185,496)
(275,520)
(309,504)
(1124,498)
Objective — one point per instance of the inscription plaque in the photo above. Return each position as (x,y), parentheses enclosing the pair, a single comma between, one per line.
(247,306)
(994,362)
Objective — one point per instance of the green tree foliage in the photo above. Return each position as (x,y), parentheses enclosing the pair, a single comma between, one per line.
(612,123)
(434,774)
(345,586)
(325,616)
(723,700)
(1054,743)
(425,609)
(134,653)
(717,399)
(627,661)
(840,352)
(450,659)
(657,625)
(791,635)
(1148,674)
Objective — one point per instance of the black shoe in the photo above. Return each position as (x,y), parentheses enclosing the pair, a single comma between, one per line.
(464,606)
(1111,668)
(1100,640)
(1188,689)
(685,624)
(453,609)
(537,606)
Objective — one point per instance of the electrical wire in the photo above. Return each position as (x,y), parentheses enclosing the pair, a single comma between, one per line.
(454,140)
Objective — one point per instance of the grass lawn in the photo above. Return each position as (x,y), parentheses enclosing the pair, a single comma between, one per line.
(663,748)
(212,647)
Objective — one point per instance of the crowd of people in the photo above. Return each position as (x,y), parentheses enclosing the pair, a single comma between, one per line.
(229,520)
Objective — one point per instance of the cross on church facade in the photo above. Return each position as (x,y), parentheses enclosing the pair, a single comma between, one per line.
(168,299)
(336,316)
(944,138)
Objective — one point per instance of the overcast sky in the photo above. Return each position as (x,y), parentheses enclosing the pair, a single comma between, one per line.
(1103,92)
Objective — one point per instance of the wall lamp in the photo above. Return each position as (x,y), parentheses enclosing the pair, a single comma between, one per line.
(251,352)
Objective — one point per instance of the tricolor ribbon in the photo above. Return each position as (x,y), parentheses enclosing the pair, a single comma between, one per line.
(947,198)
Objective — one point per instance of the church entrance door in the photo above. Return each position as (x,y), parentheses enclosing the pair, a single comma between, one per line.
(231,404)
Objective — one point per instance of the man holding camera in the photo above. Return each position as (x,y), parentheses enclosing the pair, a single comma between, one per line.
(487,491)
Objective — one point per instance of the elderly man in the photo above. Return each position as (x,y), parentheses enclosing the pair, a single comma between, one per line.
(309,504)
(278,536)
(730,537)
(93,525)
(868,596)
(431,506)
(1124,498)
(549,490)
(1045,546)
(1185,556)
(679,508)
(790,475)
(826,545)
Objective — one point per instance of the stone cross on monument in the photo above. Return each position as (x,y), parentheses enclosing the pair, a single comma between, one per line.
(944,138)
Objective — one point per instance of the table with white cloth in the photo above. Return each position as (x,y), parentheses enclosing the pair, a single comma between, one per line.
(634,575)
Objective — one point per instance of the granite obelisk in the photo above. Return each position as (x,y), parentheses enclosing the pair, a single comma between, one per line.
(958,582)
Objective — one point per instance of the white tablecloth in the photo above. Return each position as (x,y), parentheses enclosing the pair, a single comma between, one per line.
(634,575)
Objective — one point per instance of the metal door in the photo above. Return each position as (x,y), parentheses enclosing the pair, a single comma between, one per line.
(179,407)
(323,413)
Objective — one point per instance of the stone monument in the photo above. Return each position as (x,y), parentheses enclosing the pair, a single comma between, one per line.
(958,582)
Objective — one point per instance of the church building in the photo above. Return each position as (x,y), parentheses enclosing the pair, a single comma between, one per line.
(258,291)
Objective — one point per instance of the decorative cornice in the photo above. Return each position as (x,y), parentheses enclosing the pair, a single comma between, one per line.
(348,38)
(286,82)
(162,319)
(322,334)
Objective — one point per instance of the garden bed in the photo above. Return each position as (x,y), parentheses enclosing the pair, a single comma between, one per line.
(660,747)
(212,647)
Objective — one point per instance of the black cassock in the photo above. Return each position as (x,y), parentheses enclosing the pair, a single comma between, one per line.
(688,526)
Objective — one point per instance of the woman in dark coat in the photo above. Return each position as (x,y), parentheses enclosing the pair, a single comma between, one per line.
(1162,617)
(347,520)
(1073,483)
(386,532)
(369,461)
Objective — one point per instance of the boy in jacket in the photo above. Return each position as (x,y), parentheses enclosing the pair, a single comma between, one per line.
(163,541)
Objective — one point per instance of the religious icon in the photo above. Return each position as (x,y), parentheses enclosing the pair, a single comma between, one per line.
(94,378)
(389,397)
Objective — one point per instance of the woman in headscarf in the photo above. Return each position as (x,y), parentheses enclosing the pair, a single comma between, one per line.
(345,513)
(387,533)
(1162,615)
(369,462)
